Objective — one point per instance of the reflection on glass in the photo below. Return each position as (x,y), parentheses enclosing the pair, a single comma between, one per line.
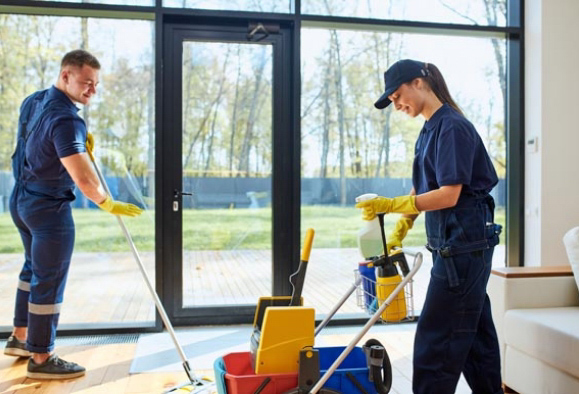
(227,134)
(104,284)
(484,12)
(350,148)
(281,6)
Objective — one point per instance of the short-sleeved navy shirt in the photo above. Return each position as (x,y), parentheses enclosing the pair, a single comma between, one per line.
(59,132)
(449,151)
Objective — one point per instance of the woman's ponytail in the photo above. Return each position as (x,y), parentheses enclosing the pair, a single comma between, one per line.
(436,82)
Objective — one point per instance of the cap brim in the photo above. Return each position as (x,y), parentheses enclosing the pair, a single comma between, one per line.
(383,101)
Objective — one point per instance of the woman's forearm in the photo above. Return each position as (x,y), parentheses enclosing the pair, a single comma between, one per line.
(444,197)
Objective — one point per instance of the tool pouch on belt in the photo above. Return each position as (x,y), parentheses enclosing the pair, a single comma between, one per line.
(466,228)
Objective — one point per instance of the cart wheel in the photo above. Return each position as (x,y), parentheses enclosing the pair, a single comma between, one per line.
(382,377)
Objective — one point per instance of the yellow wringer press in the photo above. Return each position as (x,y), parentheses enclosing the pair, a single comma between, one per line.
(282,326)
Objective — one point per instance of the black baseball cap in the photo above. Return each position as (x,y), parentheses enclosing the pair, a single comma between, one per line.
(402,71)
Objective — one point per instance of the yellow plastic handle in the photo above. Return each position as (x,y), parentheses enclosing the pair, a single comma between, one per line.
(308,244)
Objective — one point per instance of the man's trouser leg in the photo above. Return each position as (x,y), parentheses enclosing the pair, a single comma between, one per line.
(23,288)
(51,250)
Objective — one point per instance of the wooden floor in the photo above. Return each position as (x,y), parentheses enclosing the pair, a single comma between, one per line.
(108,366)
(107,372)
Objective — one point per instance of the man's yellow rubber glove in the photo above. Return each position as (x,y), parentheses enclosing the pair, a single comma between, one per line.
(90,145)
(402,204)
(119,208)
(397,235)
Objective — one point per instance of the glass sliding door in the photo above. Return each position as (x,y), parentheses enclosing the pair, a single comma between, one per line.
(226,158)
(221,171)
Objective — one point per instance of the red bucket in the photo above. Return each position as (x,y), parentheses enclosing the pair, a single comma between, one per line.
(241,379)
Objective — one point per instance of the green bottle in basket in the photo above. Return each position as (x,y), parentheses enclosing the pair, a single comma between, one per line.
(387,278)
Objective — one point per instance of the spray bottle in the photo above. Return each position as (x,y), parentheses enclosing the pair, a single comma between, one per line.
(387,278)
(369,238)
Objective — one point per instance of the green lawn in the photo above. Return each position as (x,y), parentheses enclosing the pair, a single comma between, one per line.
(217,229)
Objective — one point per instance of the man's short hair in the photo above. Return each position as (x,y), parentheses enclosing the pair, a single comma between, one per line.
(79,58)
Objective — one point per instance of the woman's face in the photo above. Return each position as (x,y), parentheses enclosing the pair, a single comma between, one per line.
(409,98)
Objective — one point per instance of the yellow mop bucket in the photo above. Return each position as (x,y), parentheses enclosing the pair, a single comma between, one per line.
(282,326)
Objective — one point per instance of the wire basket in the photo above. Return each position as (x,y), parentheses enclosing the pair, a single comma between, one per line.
(370,295)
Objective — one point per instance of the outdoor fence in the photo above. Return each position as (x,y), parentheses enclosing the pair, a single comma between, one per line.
(245,192)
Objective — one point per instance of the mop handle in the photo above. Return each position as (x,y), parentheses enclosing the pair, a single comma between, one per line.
(369,324)
(297,278)
(338,305)
(158,303)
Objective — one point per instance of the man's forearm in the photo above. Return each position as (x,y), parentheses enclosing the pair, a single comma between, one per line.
(80,169)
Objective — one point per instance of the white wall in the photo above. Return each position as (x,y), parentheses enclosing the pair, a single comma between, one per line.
(551,115)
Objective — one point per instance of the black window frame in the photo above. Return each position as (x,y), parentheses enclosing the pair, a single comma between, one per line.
(513,32)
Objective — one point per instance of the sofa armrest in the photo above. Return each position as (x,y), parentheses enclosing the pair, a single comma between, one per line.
(534,287)
(529,287)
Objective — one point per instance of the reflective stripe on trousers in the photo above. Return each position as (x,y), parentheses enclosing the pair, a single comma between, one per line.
(47,231)
(455,332)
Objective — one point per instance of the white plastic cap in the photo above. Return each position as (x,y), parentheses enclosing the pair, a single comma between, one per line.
(366,197)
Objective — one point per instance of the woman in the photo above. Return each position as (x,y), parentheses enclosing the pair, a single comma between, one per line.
(452,177)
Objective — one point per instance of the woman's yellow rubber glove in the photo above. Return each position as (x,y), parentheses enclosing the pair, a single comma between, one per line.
(90,145)
(397,235)
(402,204)
(119,208)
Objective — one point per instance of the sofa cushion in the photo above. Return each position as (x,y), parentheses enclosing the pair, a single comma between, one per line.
(548,334)
(571,241)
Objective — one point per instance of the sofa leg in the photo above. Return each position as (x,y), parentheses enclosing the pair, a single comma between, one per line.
(508,390)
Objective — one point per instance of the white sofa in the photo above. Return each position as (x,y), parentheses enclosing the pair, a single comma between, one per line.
(536,314)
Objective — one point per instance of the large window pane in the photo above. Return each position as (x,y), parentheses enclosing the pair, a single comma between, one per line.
(283,6)
(350,148)
(104,283)
(483,12)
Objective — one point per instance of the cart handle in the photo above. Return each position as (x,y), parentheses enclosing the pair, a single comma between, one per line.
(369,324)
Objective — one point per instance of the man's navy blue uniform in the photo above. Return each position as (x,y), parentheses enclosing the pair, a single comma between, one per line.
(49,129)
(455,331)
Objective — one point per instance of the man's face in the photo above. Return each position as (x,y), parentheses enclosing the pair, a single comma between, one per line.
(80,83)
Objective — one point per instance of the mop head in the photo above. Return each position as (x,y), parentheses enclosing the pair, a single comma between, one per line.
(202,385)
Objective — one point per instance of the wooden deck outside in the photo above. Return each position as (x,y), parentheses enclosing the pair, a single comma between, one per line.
(109,288)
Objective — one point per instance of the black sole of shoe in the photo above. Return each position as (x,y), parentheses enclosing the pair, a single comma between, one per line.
(53,376)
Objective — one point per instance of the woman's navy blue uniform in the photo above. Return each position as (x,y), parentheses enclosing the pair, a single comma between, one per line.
(455,332)
(49,129)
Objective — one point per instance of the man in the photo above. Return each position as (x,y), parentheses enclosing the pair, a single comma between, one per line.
(52,156)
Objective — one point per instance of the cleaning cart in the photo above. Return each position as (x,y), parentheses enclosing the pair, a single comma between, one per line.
(325,370)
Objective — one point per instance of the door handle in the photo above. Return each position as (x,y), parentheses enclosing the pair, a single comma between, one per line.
(176,193)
